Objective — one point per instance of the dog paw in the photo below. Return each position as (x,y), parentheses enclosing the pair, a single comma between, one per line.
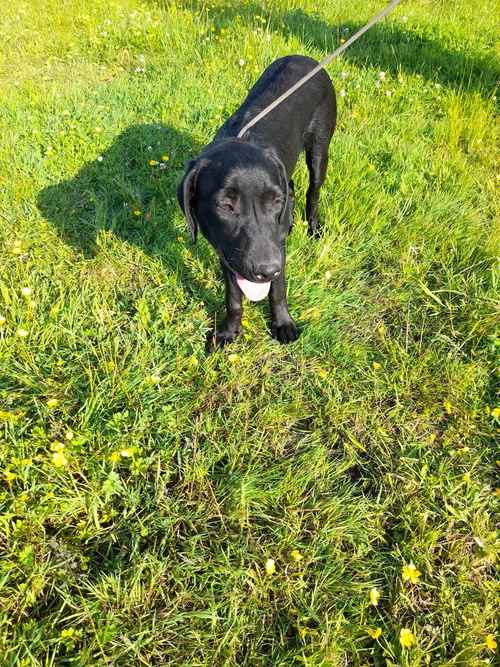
(216,339)
(285,332)
(314,228)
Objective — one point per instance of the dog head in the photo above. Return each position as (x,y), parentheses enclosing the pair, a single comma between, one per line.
(237,194)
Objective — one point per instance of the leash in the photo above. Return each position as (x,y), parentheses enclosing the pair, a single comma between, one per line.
(326,61)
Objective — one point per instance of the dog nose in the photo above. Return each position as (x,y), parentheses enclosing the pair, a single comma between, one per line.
(267,271)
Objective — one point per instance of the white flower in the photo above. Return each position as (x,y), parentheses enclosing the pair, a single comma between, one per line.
(377,84)
(241,62)
(388,93)
(404,19)
(344,75)
(342,93)
(100,158)
(381,75)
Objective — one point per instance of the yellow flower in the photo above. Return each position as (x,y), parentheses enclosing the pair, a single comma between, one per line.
(2,320)
(496,413)
(52,403)
(137,213)
(233,358)
(26,291)
(302,632)
(127,453)
(9,476)
(491,643)
(448,407)
(270,566)
(322,373)
(153,163)
(114,457)
(374,596)
(376,366)
(59,459)
(165,158)
(406,638)
(155,378)
(296,555)
(22,333)
(57,446)
(374,634)
(410,573)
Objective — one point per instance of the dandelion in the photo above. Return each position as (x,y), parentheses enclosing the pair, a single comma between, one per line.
(466,477)
(153,163)
(233,358)
(9,476)
(22,333)
(165,158)
(127,452)
(57,446)
(270,566)
(371,167)
(495,413)
(448,407)
(26,291)
(114,457)
(137,213)
(2,320)
(59,459)
(296,556)
(406,638)
(491,643)
(374,596)
(302,632)
(52,403)
(410,573)
(376,366)
(374,634)
(155,378)
(322,373)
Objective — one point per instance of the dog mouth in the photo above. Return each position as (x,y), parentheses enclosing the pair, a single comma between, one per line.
(252,291)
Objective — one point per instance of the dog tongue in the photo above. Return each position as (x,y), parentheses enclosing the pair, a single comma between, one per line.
(253,291)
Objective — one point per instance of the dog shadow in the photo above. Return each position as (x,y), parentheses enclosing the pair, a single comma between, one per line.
(130,191)
(387,46)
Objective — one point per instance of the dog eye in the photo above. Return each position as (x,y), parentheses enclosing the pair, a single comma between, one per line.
(226,206)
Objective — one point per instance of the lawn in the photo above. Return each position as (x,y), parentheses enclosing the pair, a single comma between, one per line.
(328,503)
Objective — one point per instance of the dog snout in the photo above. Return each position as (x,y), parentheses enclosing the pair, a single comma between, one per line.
(267,270)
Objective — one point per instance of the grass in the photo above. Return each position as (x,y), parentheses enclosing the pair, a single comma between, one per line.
(144,485)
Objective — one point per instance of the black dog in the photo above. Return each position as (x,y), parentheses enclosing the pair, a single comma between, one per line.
(239,192)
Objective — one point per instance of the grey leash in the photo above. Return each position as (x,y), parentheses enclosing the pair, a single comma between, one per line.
(392,5)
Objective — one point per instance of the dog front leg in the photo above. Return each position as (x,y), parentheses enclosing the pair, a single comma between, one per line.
(231,326)
(283,328)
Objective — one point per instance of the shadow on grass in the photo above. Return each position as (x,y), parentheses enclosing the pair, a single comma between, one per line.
(122,193)
(387,46)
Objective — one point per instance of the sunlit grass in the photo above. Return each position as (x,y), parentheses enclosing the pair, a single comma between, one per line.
(331,502)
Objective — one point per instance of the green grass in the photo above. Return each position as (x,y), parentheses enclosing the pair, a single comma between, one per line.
(366,445)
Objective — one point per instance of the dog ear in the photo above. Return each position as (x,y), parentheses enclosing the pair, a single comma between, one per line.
(186,194)
(271,153)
